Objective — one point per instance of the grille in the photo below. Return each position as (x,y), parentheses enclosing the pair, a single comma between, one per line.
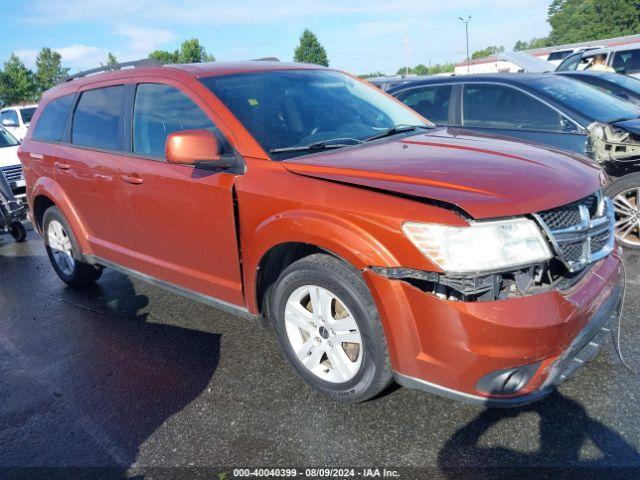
(12,173)
(581,232)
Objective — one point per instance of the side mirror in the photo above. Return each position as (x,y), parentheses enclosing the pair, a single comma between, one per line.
(199,148)
(8,123)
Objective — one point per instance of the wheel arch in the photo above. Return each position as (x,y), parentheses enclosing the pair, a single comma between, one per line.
(280,241)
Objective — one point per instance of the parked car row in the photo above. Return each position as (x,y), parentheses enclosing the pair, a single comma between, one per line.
(378,246)
(593,114)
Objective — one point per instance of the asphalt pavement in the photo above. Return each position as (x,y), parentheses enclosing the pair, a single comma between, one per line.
(131,378)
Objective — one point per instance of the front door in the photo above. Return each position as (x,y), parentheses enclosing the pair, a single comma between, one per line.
(503,110)
(183,220)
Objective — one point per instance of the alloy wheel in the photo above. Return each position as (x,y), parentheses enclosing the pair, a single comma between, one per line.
(323,334)
(60,245)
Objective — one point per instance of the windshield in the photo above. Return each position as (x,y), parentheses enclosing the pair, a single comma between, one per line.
(6,139)
(27,114)
(585,99)
(295,108)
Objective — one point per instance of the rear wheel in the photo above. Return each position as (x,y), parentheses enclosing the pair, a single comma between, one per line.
(329,329)
(64,253)
(625,193)
(18,231)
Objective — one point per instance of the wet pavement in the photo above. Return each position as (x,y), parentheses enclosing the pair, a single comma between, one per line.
(127,375)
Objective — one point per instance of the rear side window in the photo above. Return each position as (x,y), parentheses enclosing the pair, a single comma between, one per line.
(160,110)
(50,125)
(97,120)
(498,106)
(627,62)
(431,102)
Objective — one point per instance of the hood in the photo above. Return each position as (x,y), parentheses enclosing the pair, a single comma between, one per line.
(9,156)
(485,176)
(632,125)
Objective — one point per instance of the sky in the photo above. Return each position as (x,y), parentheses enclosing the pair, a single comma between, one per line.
(360,36)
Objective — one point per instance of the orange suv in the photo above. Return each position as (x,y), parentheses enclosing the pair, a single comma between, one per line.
(378,246)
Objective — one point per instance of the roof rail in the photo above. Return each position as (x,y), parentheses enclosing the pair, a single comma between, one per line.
(145,62)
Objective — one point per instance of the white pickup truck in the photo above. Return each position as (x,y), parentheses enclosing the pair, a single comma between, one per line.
(17,119)
(10,165)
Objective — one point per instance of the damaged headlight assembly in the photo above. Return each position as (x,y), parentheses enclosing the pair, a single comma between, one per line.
(610,143)
(480,247)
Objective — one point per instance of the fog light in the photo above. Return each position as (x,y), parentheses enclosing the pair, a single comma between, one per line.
(508,381)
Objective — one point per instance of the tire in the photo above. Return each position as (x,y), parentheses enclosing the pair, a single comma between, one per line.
(18,231)
(63,251)
(625,193)
(348,361)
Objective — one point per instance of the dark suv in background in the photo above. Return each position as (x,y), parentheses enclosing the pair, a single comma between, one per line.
(548,109)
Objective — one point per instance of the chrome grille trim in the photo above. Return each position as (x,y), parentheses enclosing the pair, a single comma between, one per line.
(12,173)
(574,243)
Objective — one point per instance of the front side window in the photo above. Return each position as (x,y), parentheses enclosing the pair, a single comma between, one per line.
(10,116)
(51,123)
(160,110)
(584,99)
(627,62)
(431,102)
(97,120)
(499,106)
(570,63)
(6,139)
(296,108)
(27,114)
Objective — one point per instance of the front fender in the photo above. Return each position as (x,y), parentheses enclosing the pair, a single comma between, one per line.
(328,232)
(49,188)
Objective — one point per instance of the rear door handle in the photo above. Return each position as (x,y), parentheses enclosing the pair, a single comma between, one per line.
(62,165)
(133,180)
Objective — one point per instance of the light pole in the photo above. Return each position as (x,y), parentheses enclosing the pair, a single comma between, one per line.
(405,43)
(466,29)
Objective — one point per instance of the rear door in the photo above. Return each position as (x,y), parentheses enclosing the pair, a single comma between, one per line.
(504,110)
(434,102)
(87,168)
(182,218)
(627,62)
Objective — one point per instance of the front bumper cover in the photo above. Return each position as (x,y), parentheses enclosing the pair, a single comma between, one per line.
(584,347)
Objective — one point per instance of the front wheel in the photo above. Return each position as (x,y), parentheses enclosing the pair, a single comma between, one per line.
(329,329)
(625,193)
(18,232)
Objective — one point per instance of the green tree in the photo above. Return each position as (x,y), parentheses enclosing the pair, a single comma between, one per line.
(16,83)
(430,70)
(192,52)
(49,70)
(371,75)
(310,50)
(532,44)
(585,20)
(111,59)
(486,52)
(165,57)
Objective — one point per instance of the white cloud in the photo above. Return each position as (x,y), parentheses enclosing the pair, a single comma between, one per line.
(78,57)
(141,40)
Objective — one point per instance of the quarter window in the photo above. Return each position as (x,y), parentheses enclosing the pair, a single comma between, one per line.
(431,102)
(159,111)
(97,120)
(497,106)
(50,125)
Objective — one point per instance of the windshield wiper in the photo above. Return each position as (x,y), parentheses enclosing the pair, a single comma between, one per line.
(397,129)
(319,146)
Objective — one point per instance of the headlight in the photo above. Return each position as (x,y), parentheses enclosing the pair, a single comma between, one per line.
(481,246)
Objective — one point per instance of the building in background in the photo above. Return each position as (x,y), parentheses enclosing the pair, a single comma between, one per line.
(553,55)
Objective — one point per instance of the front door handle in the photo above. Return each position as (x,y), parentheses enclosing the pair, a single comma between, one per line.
(62,165)
(132,179)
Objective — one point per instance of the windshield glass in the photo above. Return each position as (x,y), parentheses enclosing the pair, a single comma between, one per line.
(27,114)
(585,99)
(6,139)
(296,108)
